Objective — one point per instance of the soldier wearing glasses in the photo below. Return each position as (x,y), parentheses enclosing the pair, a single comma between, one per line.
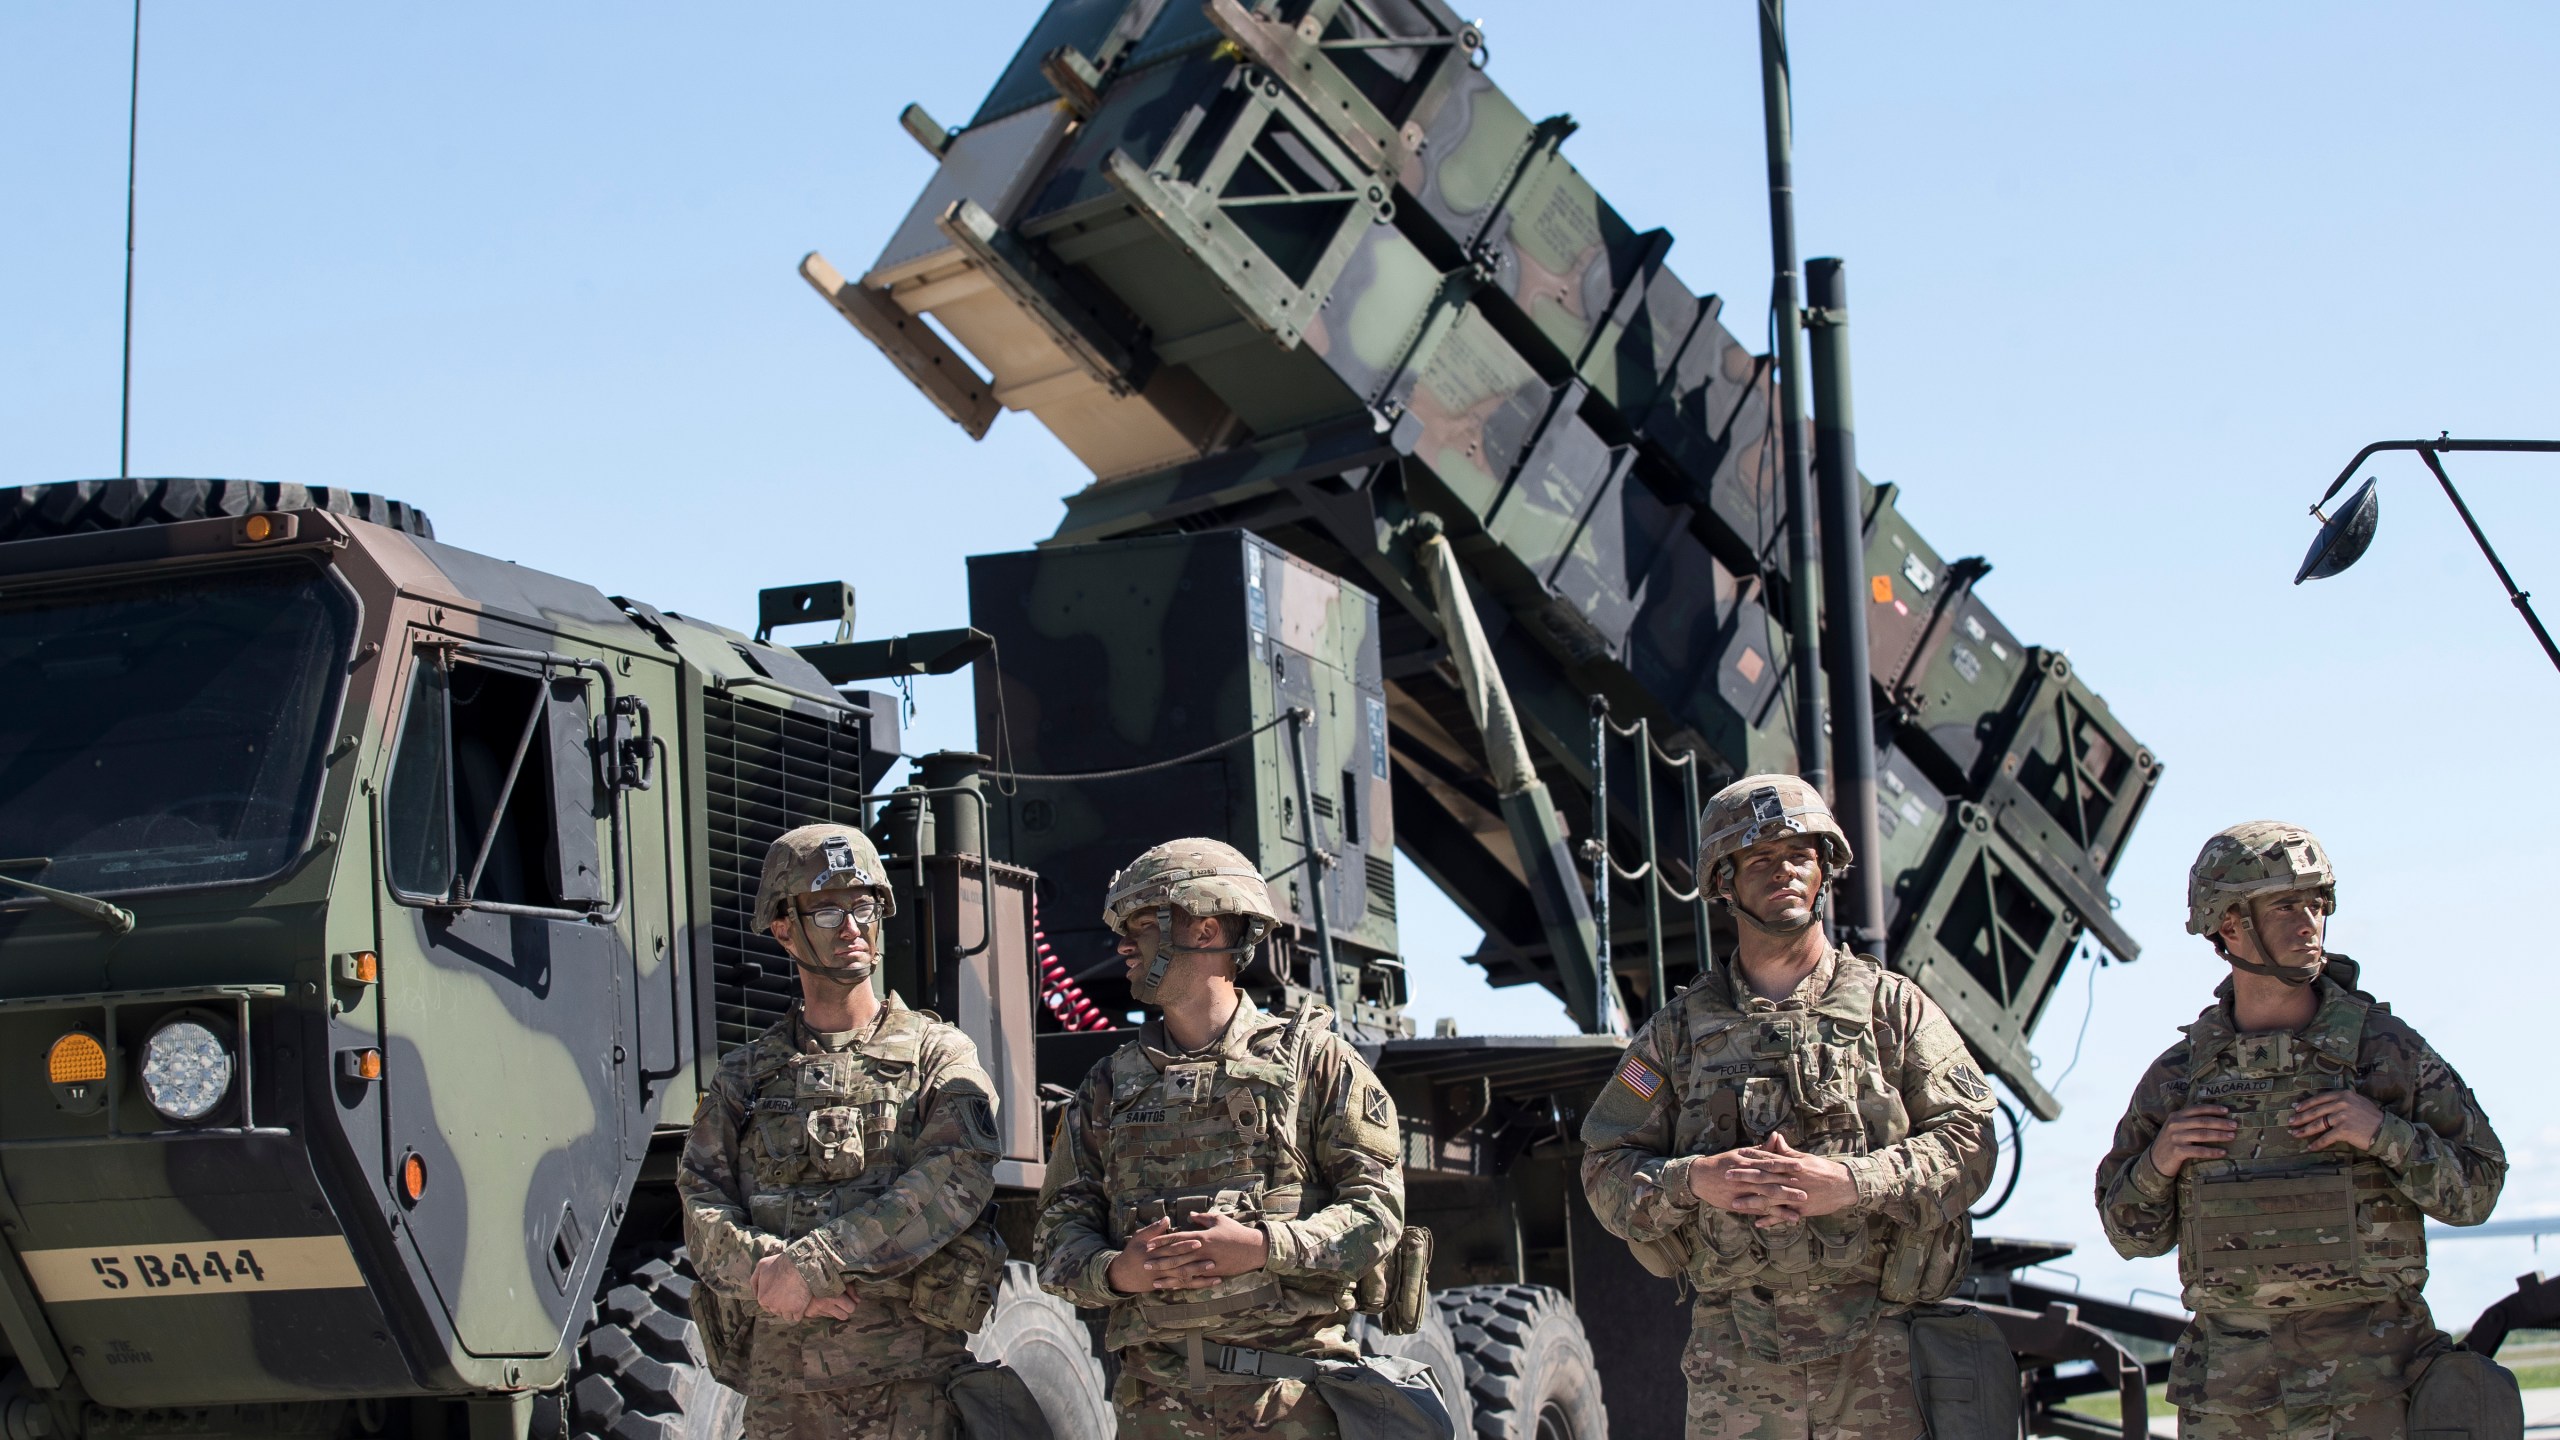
(835,1185)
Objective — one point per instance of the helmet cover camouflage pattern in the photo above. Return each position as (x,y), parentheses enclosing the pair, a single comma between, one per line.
(1196,876)
(2250,859)
(1759,808)
(820,857)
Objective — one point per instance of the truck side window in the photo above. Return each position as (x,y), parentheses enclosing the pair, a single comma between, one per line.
(417,812)
(463,726)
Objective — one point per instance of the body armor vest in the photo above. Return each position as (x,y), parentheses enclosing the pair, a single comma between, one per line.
(2277,1224)
(1819,1075)
(1213,1136)
(831,1131)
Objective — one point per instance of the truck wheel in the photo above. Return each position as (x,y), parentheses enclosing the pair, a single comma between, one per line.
(69,507)
(1529,1367)
(1434,1346)
(639,1373)
(1038,1336)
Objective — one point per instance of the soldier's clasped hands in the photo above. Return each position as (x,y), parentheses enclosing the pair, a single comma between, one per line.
(783,1294)
(1775,1182)
(1210,1248)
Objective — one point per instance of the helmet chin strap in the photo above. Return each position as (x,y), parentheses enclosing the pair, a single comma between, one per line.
(1772,929)
(1158,955)
(853,974)
(2294,975)
(1775,931)
(1157,952)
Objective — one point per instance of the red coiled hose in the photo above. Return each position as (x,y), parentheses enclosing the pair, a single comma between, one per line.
(1058,990)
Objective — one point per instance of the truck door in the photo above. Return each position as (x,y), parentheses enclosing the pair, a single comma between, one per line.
(505,968)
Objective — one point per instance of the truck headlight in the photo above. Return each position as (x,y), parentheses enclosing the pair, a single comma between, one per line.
(186,1070)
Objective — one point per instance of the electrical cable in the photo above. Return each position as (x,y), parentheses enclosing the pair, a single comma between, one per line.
(1065,999)
(2017,1161)
(1203,753)
(2087,1010)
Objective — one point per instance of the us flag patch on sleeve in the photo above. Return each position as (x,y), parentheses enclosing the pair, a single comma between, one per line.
(1639,1077)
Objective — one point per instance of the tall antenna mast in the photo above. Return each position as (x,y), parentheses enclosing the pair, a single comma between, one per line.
(132,128)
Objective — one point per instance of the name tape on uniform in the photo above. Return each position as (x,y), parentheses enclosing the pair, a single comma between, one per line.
(209,1267)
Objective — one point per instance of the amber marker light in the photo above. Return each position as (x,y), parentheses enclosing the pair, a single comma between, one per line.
(361,1064)
(76,1059)
(262,528)
(413,1177)
(360,968)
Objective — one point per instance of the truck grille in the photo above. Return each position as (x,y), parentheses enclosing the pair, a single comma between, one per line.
(769,770)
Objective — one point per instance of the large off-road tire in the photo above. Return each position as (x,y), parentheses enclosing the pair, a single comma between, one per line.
(1039,1337)
(639,1373)
(1529,1367)
(69,507)
(1434,1346)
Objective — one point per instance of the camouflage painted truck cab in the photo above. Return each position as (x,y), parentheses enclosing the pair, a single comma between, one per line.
(398,909)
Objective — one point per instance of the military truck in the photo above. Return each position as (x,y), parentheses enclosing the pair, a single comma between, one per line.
(371,913)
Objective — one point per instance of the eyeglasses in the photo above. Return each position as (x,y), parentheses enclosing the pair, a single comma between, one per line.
(832,917)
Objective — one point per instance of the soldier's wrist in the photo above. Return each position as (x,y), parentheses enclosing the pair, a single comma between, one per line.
(1097,1275)
(1867,1177)
(2149,1182)
(1279,1251)
(1677,1185)
(818,1266)
(2393,1142)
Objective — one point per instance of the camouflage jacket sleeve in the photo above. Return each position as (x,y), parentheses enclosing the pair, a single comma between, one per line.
(1071,1244)
(1637,1189)
(1352,1123)
(941,1194)
(724,1247)
(2435,1139)
(2136,1203)
(1929,1177)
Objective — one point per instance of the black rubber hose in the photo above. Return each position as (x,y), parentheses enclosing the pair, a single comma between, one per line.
(2017,1161)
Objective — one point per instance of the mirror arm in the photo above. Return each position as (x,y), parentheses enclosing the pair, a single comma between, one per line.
(2521,600)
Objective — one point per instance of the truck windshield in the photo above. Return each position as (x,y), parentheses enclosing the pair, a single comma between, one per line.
(167,732)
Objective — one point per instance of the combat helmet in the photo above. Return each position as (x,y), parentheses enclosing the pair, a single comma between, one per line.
(2249,860)
(1198,876)
(813,858)
(1767,807)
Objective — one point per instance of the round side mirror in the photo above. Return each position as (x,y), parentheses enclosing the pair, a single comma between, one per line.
(2343,541)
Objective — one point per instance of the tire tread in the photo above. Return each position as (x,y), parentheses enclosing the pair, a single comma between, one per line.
(1501,1332)
(73,507)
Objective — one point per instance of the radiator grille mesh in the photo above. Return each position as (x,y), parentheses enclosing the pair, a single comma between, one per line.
(769,769)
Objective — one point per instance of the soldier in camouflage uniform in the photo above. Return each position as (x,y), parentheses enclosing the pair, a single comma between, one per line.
(1798,1135)
(837,1180)
(1222,1181)
(2289,1149)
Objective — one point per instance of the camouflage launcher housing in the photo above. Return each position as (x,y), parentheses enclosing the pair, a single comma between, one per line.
(1300,269)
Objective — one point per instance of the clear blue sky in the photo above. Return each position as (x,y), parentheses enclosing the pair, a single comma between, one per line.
(2130,284)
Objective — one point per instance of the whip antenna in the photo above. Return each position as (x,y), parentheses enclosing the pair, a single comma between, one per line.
(132,125)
